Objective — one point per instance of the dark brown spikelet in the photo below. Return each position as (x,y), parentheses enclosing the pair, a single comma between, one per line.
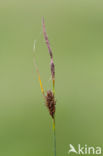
(50,103)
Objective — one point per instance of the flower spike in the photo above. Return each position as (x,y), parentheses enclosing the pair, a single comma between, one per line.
(51,55)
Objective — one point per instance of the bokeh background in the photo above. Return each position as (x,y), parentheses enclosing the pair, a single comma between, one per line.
(75,30)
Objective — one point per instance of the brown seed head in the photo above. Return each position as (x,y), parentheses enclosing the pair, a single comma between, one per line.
(50,103)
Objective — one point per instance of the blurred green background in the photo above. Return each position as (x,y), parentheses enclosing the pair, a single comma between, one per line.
(75,30)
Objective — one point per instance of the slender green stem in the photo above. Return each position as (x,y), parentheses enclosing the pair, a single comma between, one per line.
(54,133)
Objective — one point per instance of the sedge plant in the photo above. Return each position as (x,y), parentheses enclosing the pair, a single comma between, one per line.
(50,95)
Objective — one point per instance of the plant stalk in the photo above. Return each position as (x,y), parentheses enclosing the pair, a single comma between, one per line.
(54,136)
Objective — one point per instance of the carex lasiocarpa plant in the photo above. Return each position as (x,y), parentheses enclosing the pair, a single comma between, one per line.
(49,96)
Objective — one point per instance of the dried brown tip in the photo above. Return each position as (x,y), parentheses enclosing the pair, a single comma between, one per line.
(50,103)
(46,39)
